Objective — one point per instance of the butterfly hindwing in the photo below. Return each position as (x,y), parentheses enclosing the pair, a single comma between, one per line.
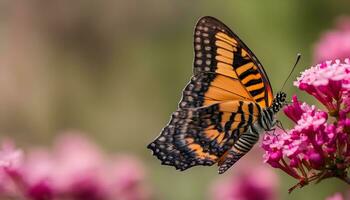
(201,136)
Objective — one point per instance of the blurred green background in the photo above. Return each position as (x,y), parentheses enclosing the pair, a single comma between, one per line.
(115,70)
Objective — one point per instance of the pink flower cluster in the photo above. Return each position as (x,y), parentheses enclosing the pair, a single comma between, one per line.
(75,169)
(318,146)
(260,185)
(328,82)
(334,44)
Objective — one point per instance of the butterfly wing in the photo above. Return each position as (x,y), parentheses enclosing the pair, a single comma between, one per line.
(225,95)
(219,50)
(202,135)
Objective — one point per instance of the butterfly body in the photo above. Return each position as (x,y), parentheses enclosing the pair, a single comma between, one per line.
(265,122)
(226,105)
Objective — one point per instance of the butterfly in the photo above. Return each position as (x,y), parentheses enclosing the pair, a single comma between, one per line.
(225,106)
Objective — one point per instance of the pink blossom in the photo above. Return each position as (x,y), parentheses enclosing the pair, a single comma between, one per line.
(295,109)
(334,44)
(128,173)
(339,196)
(75,169)
(318,146)
(10,157)
(38,174)
(327,82)
(260,185)
(336,196)
(11,160)
(83,176)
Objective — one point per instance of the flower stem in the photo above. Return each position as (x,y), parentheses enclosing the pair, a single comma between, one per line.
(289,170)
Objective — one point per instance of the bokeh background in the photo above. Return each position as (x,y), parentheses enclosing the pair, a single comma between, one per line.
(115,70)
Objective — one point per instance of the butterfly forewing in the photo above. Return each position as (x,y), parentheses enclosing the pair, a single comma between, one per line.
(225,95)
(218,50)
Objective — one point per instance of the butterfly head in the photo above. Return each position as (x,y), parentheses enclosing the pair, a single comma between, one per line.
(279,101)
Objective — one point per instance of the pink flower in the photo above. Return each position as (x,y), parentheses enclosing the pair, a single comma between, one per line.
(75,169)
(339,196)
(260,185)
(10,157)
(11,160)
(128,173)
(327,82)
(334,44)
(80,177)
(38,174)
(318,146)
(295,110)
(336,196)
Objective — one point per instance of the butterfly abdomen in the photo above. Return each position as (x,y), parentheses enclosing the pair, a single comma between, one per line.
(247,139)
(265,122)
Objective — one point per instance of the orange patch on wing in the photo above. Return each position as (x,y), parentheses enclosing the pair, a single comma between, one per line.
(224,59)
(255,87)
(245,108)
(250,77)
(255,110)
(225,45)
(270,96)
(229,106)
(244,53)
(224,66)
(195,147)
(233,86)
(199,152)
(225,37)
(225,53)
(206,156)
(245,67)
(208,102)
(225,116)
(262,94)
(220,138)
(226,70)
(212,133)
(219,94)
(262,104)
(234,125)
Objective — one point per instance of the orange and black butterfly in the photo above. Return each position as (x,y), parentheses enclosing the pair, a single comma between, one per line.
(225,106)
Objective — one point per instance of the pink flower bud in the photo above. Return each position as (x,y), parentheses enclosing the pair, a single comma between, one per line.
(316,160)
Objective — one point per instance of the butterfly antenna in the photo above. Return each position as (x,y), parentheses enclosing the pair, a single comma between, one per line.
(291,72)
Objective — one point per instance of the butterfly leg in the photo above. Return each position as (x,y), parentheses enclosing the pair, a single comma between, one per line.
(280,125)
(244,144)
(271,132)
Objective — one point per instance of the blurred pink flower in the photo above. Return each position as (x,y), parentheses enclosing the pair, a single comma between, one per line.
(77,169)
(11,160)
(10,157)
(80,168)
(128,173)
(339,196)
(317,147)
(37,174)
(334,44)
(336,196)
(258,183)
